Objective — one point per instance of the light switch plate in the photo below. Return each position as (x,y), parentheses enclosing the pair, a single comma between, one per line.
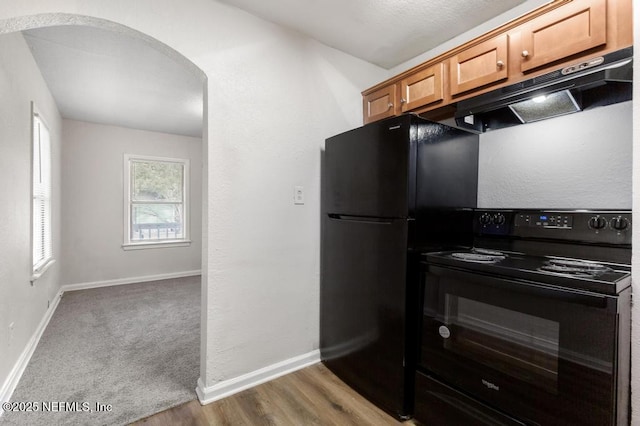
(298,195)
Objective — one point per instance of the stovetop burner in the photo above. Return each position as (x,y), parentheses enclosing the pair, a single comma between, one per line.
(488,252)
(480,255)
(575,267)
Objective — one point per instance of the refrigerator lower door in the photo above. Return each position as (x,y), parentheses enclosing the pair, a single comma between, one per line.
(362,307)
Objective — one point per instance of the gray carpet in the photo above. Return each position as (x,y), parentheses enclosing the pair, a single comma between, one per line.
(136,347)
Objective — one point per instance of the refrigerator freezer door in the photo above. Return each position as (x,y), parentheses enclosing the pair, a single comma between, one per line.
(362,306)
(367,170)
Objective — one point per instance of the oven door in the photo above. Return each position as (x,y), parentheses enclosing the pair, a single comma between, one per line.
(540,353)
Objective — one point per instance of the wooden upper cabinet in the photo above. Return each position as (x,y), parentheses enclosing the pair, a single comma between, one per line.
(568,30)
(379,104)
(422,88)
(482,64)
(555,35)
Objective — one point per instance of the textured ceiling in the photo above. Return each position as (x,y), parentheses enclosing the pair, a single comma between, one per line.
(108,77)
(383,32)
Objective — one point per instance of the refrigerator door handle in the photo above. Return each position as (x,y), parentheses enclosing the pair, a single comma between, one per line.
(363,219)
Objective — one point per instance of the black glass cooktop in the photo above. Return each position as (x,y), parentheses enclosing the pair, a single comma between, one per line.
(586,275)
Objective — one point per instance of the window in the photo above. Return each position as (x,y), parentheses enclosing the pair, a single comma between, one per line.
(41,193)
(156,205)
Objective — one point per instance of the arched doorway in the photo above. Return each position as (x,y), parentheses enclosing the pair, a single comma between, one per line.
(59,19)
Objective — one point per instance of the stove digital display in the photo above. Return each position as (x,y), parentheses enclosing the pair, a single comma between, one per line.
(554,221)
(547,221)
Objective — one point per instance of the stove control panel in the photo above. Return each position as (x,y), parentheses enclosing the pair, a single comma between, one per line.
(591,226)
(544,220)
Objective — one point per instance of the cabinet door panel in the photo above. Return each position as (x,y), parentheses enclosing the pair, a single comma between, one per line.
(379,104)
(422,88)
(480,65)
(566,31)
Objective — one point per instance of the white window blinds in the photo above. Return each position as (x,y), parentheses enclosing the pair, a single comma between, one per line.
(42,244)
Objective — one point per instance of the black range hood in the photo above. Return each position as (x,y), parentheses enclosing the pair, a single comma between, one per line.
(599,81)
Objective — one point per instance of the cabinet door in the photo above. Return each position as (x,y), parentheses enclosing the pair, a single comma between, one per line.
(422,88)
(568,30)
(379,104)
(483,64)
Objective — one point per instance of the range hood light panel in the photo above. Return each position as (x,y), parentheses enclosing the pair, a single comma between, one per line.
(541,107)
(596,82)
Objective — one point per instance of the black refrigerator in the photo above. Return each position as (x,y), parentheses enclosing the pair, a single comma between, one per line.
(390,191)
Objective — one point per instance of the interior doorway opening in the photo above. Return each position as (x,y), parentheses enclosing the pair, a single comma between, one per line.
(119,123)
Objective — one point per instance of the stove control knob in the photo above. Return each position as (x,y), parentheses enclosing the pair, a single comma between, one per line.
(619,223)
(499,219)
(597,222)
(485,218)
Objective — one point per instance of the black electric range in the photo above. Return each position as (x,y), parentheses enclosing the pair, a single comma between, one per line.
(529,324)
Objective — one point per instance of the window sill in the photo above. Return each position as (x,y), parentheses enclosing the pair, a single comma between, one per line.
(40,271)
(156,244)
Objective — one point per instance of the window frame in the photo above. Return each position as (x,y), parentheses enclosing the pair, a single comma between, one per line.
(129,244)
(42,261)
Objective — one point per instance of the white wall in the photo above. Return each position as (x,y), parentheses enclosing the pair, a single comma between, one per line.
(267,121)
(20,302)
(92,197)
(273,97)
(581,160)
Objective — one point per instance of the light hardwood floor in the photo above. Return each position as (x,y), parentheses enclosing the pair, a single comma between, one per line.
(312,396)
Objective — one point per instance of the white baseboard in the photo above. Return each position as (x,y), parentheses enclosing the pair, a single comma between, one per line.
(134,280)
(220,390)
(16,373)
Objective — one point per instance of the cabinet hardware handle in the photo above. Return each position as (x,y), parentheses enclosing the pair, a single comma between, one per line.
(390,105)
(525,53)
(402,101)
(500,64)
